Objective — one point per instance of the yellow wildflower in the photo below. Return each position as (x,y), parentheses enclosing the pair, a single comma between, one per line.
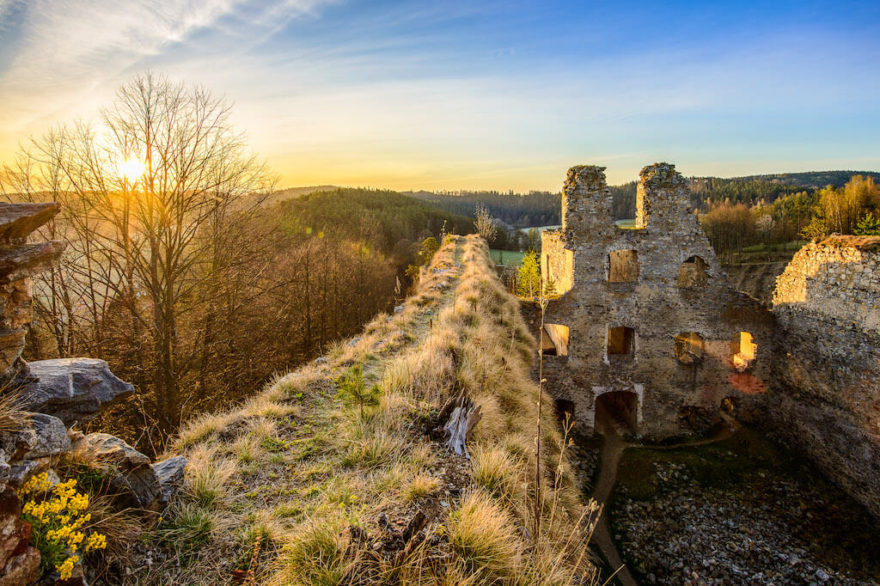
(79,502)
(66,568)
(96,541)
(75,539)
(38,483)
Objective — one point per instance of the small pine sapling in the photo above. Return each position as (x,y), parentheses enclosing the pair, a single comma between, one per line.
(352,387)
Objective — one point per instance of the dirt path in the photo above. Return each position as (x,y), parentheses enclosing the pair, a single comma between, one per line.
(613,447)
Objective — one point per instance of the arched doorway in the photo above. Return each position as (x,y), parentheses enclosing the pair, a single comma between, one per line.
(617,411)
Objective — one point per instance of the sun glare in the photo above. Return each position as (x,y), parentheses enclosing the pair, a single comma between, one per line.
(132,168)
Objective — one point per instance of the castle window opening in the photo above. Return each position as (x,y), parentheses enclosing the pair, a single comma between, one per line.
(689,347)
(743,351)
(623,266)
(555,340)
(693,273)
(621,342)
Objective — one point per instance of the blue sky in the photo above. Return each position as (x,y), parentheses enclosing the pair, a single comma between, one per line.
(448,95)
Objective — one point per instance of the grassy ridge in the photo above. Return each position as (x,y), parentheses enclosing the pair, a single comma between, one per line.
(297,487)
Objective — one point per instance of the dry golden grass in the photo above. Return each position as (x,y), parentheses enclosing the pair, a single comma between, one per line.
(290,472)
(482,534)
(12,416)
(208,477)
(422,486)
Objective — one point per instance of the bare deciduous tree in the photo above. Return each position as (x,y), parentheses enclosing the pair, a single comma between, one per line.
(485,224)
(149,195)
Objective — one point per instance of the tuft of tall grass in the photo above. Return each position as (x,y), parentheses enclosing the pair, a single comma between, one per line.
(421,486)
(207,477)
(315,555)
(482,535)
(497,472)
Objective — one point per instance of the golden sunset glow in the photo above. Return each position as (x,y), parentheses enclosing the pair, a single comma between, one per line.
(131,168)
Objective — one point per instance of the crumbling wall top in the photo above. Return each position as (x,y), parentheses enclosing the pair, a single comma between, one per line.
(585,179)
(838,278)
(864,243)
(661,176)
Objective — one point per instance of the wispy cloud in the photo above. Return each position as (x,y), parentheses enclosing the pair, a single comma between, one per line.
(502,94)
(60,54)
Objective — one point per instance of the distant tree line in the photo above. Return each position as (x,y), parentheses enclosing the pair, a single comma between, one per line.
(517,210)
(853,208)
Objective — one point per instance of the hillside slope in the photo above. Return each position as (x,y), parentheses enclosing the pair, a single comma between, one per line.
(756,279)
(392,220)
(302,485)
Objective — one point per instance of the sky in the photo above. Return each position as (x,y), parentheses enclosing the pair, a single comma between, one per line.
(451,95)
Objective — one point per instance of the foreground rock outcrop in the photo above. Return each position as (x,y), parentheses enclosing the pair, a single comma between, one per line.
(40,400)
(71,389)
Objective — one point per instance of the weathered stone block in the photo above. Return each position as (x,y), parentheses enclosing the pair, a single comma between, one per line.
(130,472)
(72,389)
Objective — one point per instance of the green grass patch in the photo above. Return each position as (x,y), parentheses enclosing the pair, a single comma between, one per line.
(507,257)
(628,224)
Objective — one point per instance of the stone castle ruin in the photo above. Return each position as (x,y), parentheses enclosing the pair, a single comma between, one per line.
(827,373)
(644,328)
(646,325)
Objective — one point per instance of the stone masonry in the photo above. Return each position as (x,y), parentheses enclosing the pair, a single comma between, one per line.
(827,304)
(645,314)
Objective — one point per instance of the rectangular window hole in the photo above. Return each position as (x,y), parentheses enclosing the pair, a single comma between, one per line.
(621,342)
(555,340)
(623,266)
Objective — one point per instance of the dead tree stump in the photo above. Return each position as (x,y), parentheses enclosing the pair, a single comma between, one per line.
(461,415)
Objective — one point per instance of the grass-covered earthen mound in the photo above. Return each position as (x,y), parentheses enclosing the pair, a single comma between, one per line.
(321,481)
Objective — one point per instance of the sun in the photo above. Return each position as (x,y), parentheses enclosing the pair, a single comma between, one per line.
(132,168)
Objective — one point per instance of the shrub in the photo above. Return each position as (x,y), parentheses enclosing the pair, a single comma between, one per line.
(351,386)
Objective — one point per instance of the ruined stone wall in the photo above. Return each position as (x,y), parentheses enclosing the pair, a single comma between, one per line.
(18,261)
(673,396)
(827,304)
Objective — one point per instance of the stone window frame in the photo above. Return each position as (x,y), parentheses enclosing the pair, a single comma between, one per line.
(559,340)
(741,361)
(701,263)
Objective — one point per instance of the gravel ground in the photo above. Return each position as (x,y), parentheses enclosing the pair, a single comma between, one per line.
(585,461)
(688,534)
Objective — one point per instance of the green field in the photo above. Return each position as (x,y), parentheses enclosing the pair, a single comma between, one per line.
(507,257)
